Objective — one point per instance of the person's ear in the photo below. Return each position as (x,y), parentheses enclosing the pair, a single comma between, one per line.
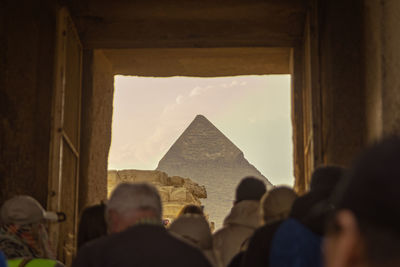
(343,248)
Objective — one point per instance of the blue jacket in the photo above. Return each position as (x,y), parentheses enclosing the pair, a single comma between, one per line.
(3,262)
(294,245)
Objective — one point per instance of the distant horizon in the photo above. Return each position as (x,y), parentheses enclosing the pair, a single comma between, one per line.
(253,112)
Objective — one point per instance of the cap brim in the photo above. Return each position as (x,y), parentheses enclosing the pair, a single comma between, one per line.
(50,216)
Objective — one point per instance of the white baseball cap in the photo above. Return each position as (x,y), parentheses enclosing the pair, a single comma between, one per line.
(24,210)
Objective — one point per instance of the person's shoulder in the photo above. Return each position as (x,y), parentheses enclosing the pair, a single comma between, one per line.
(264,234)
(91,251)
(219,237)
(176,241)
(14,248)
(267,229)
(96,243)
(220,231)
(187,251)
(226,229)
(229,233)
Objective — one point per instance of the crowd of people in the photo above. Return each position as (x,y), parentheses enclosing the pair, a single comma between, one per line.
(349,217)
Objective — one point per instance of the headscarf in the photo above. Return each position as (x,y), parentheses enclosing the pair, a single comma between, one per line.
(25,241)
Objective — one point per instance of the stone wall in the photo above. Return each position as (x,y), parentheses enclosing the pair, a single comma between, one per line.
(373,70)
(175,191)
(97,108)
(124,24)
(343,121)
(27,37)
(382,61)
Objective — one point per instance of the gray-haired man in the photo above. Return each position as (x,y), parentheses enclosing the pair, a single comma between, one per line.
(137,236)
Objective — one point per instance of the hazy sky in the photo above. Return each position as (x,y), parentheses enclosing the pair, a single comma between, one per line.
(252,111)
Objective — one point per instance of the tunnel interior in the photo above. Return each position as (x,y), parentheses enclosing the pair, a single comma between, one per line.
(60,59)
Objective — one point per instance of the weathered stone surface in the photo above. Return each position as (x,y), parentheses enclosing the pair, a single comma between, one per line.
(200,62)
(175,192)
(182,23)
(97,100)
(207,156)
(157,178)
(27,38)
(382,61)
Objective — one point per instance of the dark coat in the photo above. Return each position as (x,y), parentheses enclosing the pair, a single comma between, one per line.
(257,253)
(140,246)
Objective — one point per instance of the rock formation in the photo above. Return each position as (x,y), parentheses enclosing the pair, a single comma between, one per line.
(175,191)
(207,156)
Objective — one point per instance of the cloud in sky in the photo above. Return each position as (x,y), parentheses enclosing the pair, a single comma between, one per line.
(252,111)
(195,91)
(179,99)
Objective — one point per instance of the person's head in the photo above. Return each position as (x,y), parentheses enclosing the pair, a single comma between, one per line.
(194,228)
(324,179)
(92,224)
(250,188)
(314,207)
(130,203)
(24,210)
(24,219)
(365,228)
(277,203)
(191,209)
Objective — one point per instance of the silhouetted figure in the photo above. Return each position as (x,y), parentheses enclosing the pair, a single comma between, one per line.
(92,224)
(138,238)
(242,221)
(195,229)
(297,241)
(191,209)
(365,229)
(312,208)
(275,207)
(23,234)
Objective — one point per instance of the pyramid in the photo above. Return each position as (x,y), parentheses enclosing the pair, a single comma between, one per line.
(204,154)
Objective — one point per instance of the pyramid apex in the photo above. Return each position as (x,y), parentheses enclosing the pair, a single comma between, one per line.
(200,116)
(201,120)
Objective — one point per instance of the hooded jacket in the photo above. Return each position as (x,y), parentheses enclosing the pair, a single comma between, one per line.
(239,225)
(195,230)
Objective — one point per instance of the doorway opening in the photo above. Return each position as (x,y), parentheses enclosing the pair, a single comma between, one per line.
(151,114)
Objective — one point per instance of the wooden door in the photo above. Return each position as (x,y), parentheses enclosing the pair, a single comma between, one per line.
(65,143)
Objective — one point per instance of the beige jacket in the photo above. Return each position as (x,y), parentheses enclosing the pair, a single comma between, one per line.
(195,230)
(239,225)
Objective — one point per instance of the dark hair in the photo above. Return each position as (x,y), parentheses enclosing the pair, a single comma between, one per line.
(382,245)
(250,188)
(326,178)
(191,209)
(370,191)
(313,208)
(92,224)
